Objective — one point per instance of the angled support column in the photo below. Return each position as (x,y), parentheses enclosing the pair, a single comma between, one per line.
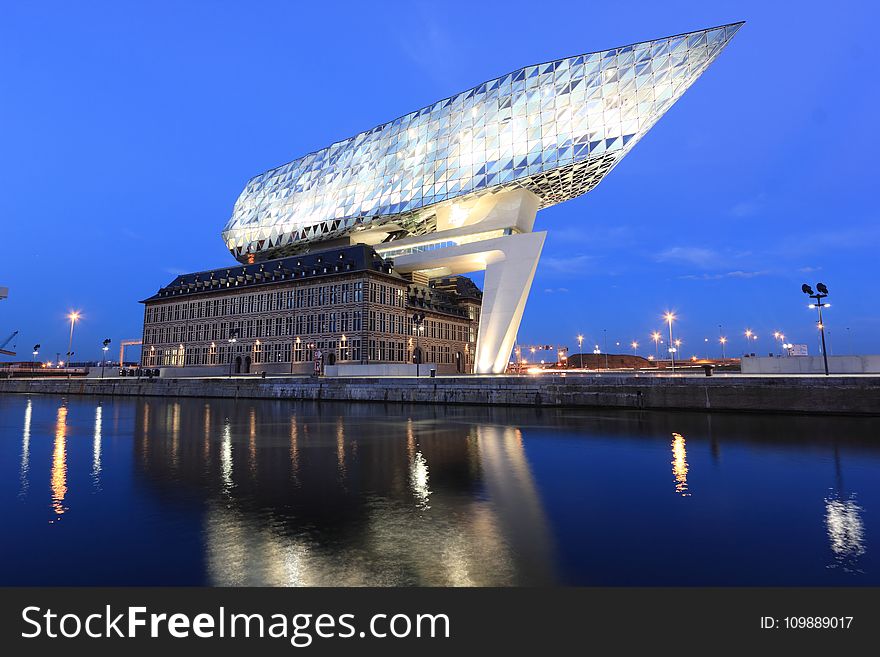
(510,269)
(509,261)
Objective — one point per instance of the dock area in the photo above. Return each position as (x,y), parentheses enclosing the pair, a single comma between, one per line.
(838,395)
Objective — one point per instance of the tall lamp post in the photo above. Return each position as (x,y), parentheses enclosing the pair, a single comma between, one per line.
(605,346)
(418,321)
(35,354)
(635,346)
(233,338)
(73,316)
(670,317)
(750,336)
(655,336)
(723,342)
(780,337)
(105,346)
(820,294)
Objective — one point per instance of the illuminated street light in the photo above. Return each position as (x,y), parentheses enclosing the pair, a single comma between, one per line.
(233,338)
(73,316)
(818,296)
(723,342)
(418,323)
(655,336)
(580,340)
(780,337)
(105,346)
(750,336)
(35,354)
(634,345)
(605,346)
(670,317)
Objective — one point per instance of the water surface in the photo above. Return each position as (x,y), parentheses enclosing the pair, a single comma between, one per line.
(162,491)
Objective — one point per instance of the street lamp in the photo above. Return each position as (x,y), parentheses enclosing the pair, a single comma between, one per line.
(723,342)
(580,340)
(105,346)
(35,354)
(655,336)
(233,338)
(634,345)
(778,335)
(670,317)
(73,316)
(605,346)
(344,339)
(750,336)
(818,296)
(418,323)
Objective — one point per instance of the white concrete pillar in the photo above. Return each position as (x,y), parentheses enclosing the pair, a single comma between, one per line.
(509,273)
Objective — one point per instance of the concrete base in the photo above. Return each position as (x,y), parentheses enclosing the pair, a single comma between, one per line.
(390,369)
(811,365)
(818,395)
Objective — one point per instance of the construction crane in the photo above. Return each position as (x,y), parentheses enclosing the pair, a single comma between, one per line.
(122,345)
(6,352)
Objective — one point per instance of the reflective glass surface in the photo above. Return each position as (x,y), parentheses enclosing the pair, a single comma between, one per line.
(555,129)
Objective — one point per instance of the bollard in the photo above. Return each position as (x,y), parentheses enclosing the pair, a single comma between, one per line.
(433,372)
(708,369)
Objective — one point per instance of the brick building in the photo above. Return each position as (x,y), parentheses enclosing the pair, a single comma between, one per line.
(348,304)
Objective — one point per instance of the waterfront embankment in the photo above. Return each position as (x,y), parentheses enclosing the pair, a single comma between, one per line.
(826,395)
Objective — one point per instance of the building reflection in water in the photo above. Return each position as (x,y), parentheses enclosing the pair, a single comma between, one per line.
(24,475)
(306,512)
(680,464)
(96,448)
(294,451)
(58,475)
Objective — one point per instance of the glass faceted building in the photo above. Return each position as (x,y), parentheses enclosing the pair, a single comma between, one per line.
(554,129)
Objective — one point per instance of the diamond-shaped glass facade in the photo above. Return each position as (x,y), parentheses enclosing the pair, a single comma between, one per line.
(555,129)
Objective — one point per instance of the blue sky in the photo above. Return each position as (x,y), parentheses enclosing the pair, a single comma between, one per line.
(128,131)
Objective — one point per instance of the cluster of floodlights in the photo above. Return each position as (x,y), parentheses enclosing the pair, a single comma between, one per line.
(821,293)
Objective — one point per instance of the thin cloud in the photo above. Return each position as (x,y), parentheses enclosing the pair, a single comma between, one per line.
(731,274)
(747,207)
(567,265)
(692,255)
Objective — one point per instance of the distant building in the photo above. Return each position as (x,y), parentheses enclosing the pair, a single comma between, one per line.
(348,304)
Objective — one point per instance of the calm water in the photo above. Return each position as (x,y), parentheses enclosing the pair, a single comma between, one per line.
(191,491)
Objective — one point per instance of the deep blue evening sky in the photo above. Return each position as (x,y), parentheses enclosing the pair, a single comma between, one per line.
(128,133)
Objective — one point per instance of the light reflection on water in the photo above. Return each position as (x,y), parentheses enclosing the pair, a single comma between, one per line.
(283,494)
(24,474)
(680,464)
(59,464)
(846,532)
(96,447)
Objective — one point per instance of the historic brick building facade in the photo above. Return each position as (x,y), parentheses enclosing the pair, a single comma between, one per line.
(347,304)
